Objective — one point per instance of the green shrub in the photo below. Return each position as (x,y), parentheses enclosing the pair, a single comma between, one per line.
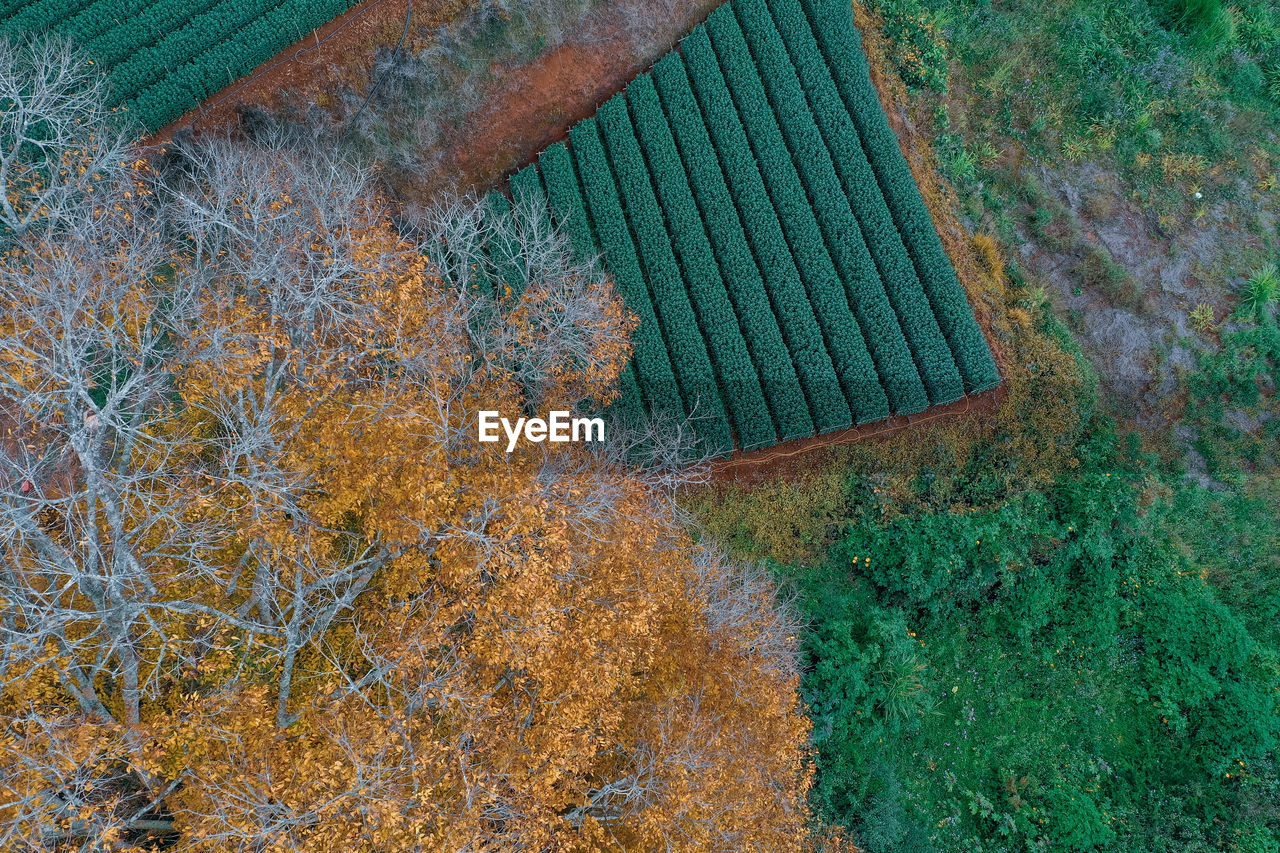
(1260,291)
(1049,673)
(1204,20)
(919,49)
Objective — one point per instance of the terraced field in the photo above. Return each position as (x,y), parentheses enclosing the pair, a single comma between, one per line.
(166,56)
(753,206)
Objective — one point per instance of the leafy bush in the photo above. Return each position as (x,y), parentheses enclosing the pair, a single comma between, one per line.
(919,49)
(1260,291)
(1205,20)
(1049,673)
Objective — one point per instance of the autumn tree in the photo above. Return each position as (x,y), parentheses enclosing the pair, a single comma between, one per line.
(263,589)
(56,141)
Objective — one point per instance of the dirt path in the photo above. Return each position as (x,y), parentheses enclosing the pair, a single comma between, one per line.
(533,106)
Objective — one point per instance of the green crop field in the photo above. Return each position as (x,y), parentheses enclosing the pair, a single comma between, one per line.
(164,57)
(751,202)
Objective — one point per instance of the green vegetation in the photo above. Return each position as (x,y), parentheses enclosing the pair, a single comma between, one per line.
(1178,99)
(164,57)
(768,234)
(654,366)
(1046,631)
(1051,672)
(1260,291)
(1003,662)
(1233,409)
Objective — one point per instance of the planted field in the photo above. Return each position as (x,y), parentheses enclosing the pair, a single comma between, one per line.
(164,57)
(753,206)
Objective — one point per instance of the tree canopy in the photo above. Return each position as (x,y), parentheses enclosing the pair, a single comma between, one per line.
(263,589)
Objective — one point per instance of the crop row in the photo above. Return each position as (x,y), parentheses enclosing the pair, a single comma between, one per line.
(783,376)
(739,205)
(864,385)
(164,57)
(832,27)
(832,124)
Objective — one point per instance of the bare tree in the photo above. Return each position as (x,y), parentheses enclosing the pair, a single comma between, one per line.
(58,143)
(534,311)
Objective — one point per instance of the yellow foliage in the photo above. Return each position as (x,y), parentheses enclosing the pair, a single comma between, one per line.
(535,656)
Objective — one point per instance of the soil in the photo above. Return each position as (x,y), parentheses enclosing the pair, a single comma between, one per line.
(793,457)
(340,52)
(533,106)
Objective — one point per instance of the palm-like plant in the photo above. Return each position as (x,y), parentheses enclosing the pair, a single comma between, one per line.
(1260,291)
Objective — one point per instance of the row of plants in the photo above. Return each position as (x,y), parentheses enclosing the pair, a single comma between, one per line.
(796,310)
(598,198)
(735,374)
(731,195)
(777,86)
(222,64)
(685,340)
(23,17)
(924,336)
(166,57)
(853,345)
(842,46)
(132,26)
(690,161)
